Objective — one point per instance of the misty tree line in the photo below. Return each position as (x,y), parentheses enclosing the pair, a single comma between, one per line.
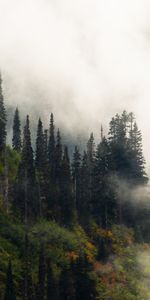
(49,185)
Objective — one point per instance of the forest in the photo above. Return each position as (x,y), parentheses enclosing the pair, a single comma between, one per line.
(70,226)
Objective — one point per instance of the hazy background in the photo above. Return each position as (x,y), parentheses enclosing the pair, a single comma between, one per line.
(84,60)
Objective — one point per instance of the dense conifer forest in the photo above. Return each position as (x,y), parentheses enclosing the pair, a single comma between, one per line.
(68,231)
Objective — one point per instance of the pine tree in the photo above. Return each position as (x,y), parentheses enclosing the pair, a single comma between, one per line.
(118,145)
(42,168)
(40,155)
(25,185)
(84,206)
(51,146)
(67,201)
(9,291)
(27,151)
(16,140)
(46,144)
(137,162)
(76,174)
(3,119)
(58,156)
(90,155)
(103,205)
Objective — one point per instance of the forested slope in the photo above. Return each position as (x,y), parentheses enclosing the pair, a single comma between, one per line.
(68,228)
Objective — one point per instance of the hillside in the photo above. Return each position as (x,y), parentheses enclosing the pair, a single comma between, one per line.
(71,228)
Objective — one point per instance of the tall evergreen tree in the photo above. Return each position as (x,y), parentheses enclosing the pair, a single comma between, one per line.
(51,146)
(76,174)
(46,144)
(27,152)
(84,209)
(58,155)
(9,291)
(137,162)
(16,140)
(104,204)
(42,168)
(25,185)
(3,119)
(67,199)
(40,155)
(90,168)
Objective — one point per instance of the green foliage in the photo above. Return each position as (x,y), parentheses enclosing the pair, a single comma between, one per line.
(59,226)
(16,140)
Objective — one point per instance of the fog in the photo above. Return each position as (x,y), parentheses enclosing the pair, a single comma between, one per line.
(84,60)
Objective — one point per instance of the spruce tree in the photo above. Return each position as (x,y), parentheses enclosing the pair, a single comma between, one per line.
(76,174)
(58,156)
(40,155)
(84,206)
(103,205)
(16,140)
(46,144)
(42,169)
(51,146)
(67,200)
(25,185)
(137,162)
(3,119)
(27,152)
(90,168)
(9,290)
(118,146)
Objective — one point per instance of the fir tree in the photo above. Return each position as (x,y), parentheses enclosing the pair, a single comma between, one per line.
(9,291)
(25,185)
(16,140)
(27,152)
(84,209)
(103,205)
(58,156)
(67,200)
(42,168)
(118,146)
(2,119)
(137,162)
(40,155)
(51,146)
(46,144)
(76,174)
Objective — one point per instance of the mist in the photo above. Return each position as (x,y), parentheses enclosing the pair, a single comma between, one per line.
(83,60)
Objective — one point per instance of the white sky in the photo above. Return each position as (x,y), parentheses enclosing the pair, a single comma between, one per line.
(83,59)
